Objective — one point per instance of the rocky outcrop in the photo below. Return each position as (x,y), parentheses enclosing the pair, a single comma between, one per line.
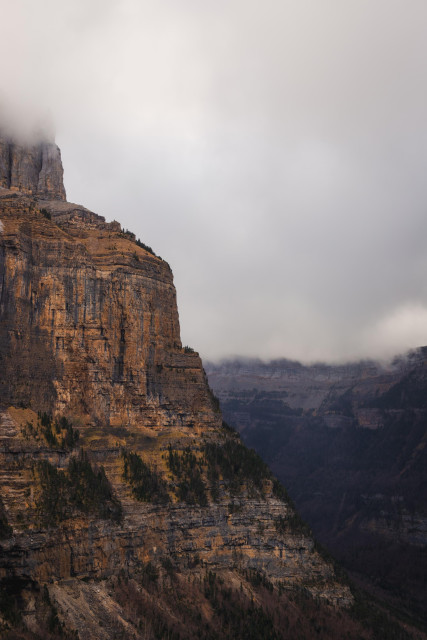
(33,168)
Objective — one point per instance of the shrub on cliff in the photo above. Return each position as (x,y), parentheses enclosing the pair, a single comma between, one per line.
(147,485)
(144,246)
(236,464)
(80,488)
(239,466)
(5,528)
(51,502)
(47,429)
(70,436)
(91,489)
(57,433)
(187,468)
(292,523)
(46,213)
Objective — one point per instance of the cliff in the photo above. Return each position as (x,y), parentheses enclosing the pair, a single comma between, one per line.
(349,442)
(127,508)
(307,387)
(89,324)
(33,168)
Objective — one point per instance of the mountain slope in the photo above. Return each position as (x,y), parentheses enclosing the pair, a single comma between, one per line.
(349,442)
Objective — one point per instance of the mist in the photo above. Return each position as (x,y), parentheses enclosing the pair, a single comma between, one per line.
(273,155)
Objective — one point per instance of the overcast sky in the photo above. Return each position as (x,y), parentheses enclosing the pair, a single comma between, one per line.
(274,153)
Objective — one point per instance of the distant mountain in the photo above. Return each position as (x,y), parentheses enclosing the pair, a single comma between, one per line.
(350,444)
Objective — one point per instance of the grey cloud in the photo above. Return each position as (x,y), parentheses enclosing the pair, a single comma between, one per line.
(273,154)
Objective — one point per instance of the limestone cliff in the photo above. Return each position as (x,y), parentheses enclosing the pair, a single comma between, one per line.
(33,168)
(89,324)
(127,509)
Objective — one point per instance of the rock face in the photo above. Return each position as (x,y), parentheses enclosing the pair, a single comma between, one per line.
(307,387)
(89,324)
(35,168)
(115,467)
(349,442)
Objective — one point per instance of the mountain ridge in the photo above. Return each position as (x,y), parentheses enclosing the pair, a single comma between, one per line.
(350,447)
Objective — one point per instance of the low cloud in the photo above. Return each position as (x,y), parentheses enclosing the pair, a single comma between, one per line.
(397,332)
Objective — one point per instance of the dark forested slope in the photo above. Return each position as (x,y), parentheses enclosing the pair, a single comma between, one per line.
(349,443)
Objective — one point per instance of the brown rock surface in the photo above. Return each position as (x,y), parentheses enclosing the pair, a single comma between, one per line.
(89,324)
